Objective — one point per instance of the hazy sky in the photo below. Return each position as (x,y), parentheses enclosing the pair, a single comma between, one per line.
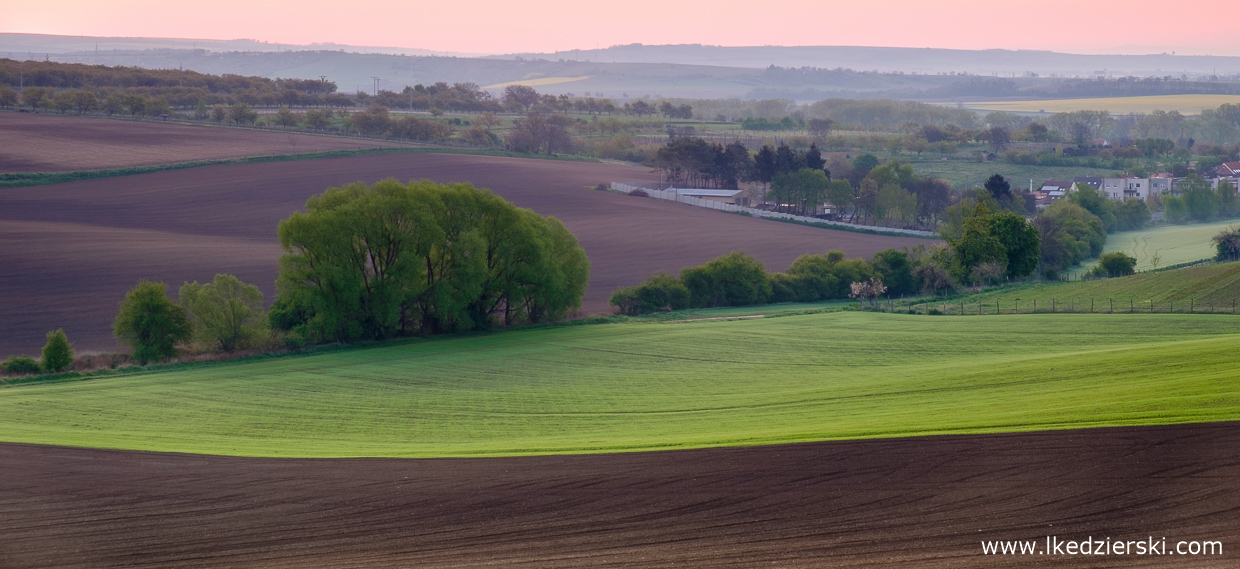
(491,26)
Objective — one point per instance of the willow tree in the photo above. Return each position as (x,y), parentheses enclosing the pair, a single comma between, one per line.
(391,259)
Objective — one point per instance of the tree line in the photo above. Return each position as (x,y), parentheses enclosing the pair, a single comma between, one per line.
(364,262)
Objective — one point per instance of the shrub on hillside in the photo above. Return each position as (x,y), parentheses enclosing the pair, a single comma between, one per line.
(661,292)
(639,193)
(1227,244)
(934,279)
(1117,264)
(20,365)
(57,352)
(735,279)
(814,278)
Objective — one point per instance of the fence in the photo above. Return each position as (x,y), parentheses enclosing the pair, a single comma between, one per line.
(674,195)
(957,307)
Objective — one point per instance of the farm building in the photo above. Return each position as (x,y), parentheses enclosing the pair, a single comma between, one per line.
(721,196)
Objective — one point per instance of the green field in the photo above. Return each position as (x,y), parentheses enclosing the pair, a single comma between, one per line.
(1185,104)
(1174,244)
(646,385)
(1194,288)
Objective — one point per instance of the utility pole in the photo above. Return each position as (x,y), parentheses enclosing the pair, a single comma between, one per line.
(21,66)
(376,90)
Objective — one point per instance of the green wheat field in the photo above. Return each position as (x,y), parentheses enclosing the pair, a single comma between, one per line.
(648,385)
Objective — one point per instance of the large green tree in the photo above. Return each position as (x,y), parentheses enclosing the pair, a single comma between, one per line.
(389,259)
(151,323)
(226,312)
(1020,242)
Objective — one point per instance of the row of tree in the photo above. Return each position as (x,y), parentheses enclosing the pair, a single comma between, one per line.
(737,279)
(1198,201)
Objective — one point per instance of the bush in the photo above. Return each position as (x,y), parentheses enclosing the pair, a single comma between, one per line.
(639,193)
(934,279)
(57,352)
(1115,264)
(1227,244)
(661,292)
(20,365)
(735,279)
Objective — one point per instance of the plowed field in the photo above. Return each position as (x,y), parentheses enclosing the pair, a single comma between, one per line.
(68,252)
(51,143)
(921,502)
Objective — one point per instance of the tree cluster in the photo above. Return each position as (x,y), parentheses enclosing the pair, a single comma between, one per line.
(370,262)
(738,279)
(991,245)
(1198,201)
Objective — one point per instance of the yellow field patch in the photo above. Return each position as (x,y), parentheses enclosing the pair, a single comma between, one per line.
(1186,104)
(538,82)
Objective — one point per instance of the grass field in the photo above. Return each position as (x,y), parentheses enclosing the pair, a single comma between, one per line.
(1192,288)
(654,385)
(1186,104)
(1174,244)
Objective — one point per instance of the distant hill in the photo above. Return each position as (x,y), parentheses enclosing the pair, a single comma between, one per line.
(37,46)
(803,74)
(1000,62)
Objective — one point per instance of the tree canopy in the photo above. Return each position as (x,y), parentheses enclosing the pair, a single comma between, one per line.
(151,323)
(390,259)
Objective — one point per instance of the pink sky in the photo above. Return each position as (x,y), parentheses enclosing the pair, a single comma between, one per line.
(488,26)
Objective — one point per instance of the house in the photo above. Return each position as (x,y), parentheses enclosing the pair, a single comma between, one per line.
(1161,183)
(1050,191)
(1126,187)
(1228,170)
(1095,183)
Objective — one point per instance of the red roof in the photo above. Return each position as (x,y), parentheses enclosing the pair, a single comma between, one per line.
(1230,168)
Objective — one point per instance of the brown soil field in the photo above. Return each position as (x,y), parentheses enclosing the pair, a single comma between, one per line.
(70,251)
(54,143)
(921,502)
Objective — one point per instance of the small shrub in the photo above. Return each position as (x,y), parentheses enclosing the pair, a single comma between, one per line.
(660,293)
(57,353)
(639,193)
(20,365)
(1117,264)
(601,187)
(934,312)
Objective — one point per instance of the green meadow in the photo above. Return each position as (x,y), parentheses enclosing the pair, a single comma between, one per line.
(649,385)
(1174,244)
(1195,289)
